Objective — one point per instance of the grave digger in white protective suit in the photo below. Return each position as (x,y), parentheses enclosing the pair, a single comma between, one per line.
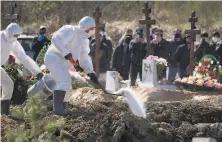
(10,45)
(70,47)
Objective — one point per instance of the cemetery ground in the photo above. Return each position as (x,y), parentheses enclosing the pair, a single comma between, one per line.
(172,116)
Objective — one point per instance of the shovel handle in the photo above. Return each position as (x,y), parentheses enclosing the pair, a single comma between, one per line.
(73,62)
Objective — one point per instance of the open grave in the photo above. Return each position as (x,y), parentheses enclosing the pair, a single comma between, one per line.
(176,118)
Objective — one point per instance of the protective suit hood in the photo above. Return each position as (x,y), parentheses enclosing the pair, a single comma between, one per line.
(11,30)
(84,24)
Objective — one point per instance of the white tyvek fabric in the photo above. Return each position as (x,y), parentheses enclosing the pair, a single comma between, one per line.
(8,41)
(10,45)
(69,39)
(7,85)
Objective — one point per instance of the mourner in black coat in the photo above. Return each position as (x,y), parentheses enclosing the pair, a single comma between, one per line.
(182,56)
(138,53)
(121,58)
(106,51)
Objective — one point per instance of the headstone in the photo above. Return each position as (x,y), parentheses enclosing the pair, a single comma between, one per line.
(112,81)
(203,139)
(149,73)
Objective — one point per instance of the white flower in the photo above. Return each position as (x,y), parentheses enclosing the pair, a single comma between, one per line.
(220,67)
(214,69)
(196,69)
(208,66)
(199,64)
(211,61)
(218,63)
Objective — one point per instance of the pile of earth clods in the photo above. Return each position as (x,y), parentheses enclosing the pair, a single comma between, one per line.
(103,121)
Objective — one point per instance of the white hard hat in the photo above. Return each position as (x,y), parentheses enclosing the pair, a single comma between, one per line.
(86,23)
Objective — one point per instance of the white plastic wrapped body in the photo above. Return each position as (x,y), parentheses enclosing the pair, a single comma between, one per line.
(137,107)
(44,87)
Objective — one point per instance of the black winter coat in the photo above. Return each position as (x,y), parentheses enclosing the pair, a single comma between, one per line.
(38,45)
(161,49)
(202,49)
(106,50)
(182,56)
(138,52)
(217,50)
(121,61)
(173,46)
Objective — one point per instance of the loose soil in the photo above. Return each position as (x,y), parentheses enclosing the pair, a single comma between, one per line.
(175,118)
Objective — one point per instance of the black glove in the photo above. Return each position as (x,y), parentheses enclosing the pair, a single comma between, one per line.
(79,69)
(68,56)
(94,78)
(39,76)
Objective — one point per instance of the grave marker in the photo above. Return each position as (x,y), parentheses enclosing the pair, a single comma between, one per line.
(148,22)
(112,81)
(203,139)
(149,73)
(192,32)
(12,16)
(97,14)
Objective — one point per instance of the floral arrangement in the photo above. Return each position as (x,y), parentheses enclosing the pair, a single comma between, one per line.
(206,75)
(208,67)
(161,66)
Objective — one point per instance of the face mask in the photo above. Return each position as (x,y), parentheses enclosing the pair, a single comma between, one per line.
(13,39)
(178,39)
(188,41)
(127,41)
(89,34)
(204,39)
(215,39)
(101,33)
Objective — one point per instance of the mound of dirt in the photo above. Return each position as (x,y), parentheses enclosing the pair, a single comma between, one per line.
(98,120)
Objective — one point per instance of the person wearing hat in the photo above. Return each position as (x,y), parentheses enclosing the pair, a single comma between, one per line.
(152,35)
(121,57)
(106,51)
(159,45)
(216,46)
(129,32)
(172,67)
(138,52)
(203,47)
(39,41)
(182,56)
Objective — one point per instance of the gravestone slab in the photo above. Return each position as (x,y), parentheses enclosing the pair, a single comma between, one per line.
(112,81)
(203,139)
(149,73)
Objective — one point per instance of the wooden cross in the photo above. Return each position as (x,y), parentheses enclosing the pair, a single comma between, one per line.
(97,14)
(148,22)
(12,17)
(192,32)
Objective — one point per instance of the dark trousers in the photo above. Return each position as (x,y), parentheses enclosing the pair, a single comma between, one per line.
(135,69)
(123,73)
(182,72)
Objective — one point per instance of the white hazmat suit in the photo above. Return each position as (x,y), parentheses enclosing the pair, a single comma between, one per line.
(10,46)
(69,39)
